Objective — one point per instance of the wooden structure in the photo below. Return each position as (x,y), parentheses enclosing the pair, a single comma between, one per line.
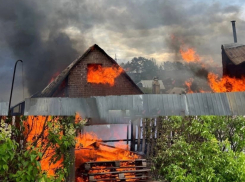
(233,60)
(120,170)
(144,133)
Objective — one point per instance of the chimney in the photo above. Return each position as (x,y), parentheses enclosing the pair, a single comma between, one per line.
(155,86)
(234,30)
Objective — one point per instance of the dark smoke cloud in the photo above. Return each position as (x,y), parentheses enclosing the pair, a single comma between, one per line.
(24,26)
(37,32)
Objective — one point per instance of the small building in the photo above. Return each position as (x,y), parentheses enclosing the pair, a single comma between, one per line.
(146,86)
(73,81)
(233,60)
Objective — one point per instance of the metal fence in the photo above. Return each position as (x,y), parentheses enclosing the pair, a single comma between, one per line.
(4,108)
(121,109)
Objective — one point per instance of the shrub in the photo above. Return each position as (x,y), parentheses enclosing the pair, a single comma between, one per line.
(206,148)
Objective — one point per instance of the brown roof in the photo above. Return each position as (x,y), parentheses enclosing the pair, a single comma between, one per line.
(53,86)
(235,52)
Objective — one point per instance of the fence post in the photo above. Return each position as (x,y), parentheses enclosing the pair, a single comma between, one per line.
(71,176)
(139,135)
(133,135)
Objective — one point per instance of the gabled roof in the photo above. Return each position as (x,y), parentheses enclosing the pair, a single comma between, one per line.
(49,90)
(235,52)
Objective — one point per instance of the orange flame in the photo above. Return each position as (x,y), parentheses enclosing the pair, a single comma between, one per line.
(105,75)
(36,132)
(53,77)
(188,83)
(226,83)
(189,55)
(90,148)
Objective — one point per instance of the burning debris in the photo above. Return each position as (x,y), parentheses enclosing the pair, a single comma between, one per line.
(89,147)
(120,170)
(89,150)
(97,161)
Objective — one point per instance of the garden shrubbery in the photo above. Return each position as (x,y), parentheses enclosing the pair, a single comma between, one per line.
(205,148)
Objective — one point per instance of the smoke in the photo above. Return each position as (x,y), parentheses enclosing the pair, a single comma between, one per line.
(49,34)
(36,37)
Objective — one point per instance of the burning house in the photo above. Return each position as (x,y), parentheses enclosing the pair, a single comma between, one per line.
(93,74)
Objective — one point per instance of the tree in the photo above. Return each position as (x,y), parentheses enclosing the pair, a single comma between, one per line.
(169,66)
(147,68)
(206,148)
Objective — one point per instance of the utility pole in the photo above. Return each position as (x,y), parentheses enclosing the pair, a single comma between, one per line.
(9,112)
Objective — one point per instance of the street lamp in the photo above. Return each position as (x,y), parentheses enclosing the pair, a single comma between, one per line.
(12,86)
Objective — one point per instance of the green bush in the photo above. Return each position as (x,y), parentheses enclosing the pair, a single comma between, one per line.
(206,148)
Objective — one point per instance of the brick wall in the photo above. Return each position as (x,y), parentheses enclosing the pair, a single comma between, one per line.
(79,87)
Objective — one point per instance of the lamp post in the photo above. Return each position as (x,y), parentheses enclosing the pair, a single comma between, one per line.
(12,86)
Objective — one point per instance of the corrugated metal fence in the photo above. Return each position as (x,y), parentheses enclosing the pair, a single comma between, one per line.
(4,108)
(120,109)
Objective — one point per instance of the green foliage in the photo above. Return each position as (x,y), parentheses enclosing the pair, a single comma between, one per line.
(12,158)
(20,161)
(146,67)
(206,148)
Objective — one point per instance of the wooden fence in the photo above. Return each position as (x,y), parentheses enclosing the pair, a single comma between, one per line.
(144,134)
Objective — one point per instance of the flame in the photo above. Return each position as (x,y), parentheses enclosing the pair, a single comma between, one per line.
(122,145)
(90,148)
(189,55)
(36,131)
(226,83)
(188,83)
(105,75)
(53,77)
